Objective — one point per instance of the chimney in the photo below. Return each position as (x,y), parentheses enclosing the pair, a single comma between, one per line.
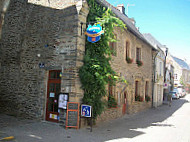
(121,8)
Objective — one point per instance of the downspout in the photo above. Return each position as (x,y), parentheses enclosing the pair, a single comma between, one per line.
(153,79)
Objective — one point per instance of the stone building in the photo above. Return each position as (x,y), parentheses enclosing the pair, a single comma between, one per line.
(159,67)
(42,48)
(181,72)
(131,50)
(41,41)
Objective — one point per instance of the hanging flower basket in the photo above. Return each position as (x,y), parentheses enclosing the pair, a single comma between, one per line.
(139,98)
(139,63)
(147,98)
(129,60)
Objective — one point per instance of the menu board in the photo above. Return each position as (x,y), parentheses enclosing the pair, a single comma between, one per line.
(72,119)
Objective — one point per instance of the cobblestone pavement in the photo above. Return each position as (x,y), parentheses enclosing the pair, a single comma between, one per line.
(162,124)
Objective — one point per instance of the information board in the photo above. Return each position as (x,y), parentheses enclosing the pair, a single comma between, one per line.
(72,119)
(63,99)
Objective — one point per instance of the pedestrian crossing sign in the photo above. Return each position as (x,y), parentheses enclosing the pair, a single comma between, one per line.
(86,110)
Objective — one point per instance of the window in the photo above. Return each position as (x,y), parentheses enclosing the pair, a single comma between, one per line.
(110,90)
(127,49)
(146,88)
(138,54)
(136,88)
(160,68)
(112,46)
(175,76)
(112,103)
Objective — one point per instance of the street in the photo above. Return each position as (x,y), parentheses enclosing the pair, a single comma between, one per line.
(162,124)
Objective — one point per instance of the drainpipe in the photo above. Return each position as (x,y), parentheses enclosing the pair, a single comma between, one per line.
(166,52)
(153,79)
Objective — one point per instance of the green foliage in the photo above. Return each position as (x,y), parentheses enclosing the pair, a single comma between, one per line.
(147,98)
(96,72)
(129,60)
(139,98)
(181,81)
(112,102)
(139,63)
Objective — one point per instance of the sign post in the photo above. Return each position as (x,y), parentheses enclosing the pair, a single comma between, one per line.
(86,111)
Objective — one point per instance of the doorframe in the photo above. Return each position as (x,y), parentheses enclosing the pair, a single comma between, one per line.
(125,103)
(47,91)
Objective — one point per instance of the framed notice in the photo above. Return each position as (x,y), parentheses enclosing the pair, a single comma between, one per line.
(72,119)
(63,99)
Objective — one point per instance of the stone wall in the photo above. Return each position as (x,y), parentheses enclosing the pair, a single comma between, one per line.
(110,114)
(33,35)
(138,107)
(131,72)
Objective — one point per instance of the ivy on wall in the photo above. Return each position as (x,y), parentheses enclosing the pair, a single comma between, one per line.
(96,71)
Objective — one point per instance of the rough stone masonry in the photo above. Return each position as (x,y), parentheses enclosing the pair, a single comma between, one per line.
(35,34)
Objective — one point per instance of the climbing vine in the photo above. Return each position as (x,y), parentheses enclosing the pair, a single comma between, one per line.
(96,72)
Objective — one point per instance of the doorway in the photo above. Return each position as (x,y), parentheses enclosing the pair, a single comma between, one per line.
(125,103)
(53,90)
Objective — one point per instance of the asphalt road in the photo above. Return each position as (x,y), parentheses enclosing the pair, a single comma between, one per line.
(163,124)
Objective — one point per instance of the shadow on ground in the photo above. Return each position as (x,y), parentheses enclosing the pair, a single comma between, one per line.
(126,127)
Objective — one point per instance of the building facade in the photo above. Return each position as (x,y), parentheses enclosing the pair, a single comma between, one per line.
(181,73)
(42,48)
(159,67)
(132,61)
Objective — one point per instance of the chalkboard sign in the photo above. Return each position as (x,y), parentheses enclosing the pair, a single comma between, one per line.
(72,119)
(73,106)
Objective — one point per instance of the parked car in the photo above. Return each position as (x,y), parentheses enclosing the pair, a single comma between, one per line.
(175,95)
(183,93)
(178,91)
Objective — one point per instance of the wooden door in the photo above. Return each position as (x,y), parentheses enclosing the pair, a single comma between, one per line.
(53,90)
(125,103)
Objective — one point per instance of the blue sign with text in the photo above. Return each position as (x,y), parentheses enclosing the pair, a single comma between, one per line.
(86,110)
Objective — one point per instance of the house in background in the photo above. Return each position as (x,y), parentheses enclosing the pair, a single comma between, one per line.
(159,67)
(181,73)
(169,74)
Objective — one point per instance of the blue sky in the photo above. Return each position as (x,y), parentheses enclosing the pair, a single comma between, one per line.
(167,20)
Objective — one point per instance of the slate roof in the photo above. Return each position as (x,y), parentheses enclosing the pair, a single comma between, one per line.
(152,40)
(130,26)
(182,63)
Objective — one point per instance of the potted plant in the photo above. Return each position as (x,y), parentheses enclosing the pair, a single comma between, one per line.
(139,63)
(112,102)
(129,60)
(139,98)
(147,98)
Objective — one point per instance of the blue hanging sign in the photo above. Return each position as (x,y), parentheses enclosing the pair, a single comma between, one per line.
(94,33)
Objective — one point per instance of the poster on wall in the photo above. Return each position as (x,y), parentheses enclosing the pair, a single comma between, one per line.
(63,99)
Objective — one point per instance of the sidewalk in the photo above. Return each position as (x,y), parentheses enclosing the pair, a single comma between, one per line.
(125,128)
